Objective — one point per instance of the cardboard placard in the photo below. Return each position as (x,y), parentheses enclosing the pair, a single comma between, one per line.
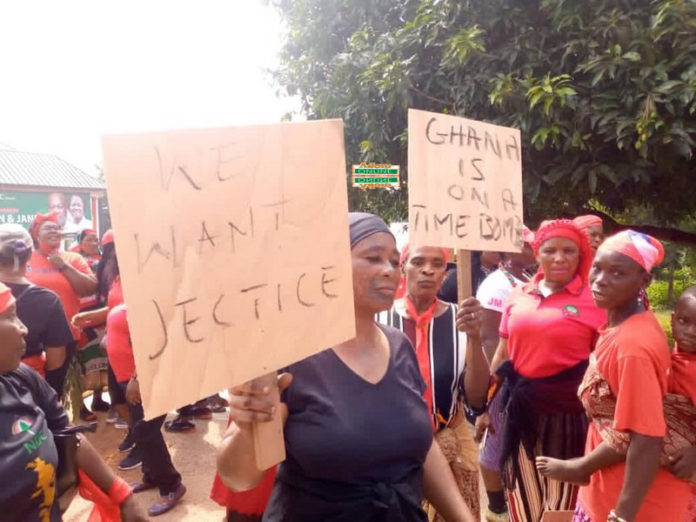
(557,516)
(464,183)
(234,252)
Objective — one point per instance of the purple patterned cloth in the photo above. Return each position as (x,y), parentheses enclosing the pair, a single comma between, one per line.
(580,515)
(490,454)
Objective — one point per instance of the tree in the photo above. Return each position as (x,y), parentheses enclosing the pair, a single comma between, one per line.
(604,91)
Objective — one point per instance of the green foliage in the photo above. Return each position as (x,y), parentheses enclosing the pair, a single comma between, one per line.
(604,91)
(664,317)
(657,292)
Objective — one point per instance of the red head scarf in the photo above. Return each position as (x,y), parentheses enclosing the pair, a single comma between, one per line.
(587,221)
(567,229)
(107,238)
(6,298)
(527,235)
(642,248)
(39,219)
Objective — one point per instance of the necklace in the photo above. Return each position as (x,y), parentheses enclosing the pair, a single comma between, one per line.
(511,278)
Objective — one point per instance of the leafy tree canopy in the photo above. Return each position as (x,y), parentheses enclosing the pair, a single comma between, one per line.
(604,91)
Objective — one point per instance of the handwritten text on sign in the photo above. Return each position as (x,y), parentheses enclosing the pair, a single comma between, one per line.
(465,183)
(242,265)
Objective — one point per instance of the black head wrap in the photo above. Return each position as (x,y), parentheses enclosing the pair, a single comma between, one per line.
(363,225)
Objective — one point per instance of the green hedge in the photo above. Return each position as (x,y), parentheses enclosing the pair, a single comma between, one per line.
(657,292)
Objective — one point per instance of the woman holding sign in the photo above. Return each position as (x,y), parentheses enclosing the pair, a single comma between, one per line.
(358,435)
(547,331)
(443,354)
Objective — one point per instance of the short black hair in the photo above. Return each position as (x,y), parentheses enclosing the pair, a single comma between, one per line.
(689,292)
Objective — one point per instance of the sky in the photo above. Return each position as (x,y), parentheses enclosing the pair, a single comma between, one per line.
(74,70)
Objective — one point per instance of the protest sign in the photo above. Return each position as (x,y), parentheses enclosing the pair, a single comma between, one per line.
(243,263)
(464,183)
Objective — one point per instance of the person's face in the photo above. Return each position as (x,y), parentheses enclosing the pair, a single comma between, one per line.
(90,245)
(525,258)
(77,208)
(12,344)
(490,260)
(375,272)
(49,234)
(559,258)
(596,233)
(684,324)
(56,203)
(615,280)
(424,270)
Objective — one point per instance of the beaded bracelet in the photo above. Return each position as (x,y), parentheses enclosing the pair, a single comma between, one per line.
(613,517)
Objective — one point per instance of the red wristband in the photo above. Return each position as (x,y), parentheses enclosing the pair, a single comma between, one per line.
(119,491)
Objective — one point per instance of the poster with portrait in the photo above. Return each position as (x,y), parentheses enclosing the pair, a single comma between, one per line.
(74,208)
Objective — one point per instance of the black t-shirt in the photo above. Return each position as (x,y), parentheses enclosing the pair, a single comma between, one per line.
(42,313)
(29,410)
(355,450)
(448,289)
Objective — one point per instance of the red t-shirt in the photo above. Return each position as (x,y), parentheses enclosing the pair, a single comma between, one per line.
(118,344)
(634,359)
(547,335)
(683,380)
(115,296)
(42,273)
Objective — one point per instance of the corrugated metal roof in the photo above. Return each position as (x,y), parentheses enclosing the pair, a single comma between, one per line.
(43,170)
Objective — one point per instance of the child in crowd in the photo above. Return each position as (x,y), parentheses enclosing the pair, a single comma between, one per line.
(682,460)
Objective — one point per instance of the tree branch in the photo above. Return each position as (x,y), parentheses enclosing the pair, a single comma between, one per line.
(662,233)
(431,98)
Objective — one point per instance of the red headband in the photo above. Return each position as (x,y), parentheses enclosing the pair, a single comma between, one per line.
(401,289)
(407,250)
(567,229)
(6,298)
(40,219)
(587,221)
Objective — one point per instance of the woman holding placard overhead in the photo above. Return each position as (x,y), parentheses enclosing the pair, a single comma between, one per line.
(548,329)
(358,435)
(443,353)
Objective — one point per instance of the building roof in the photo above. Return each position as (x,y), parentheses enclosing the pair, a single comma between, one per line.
(33,169)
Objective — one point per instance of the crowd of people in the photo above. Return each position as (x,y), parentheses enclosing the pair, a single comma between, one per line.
(554,385)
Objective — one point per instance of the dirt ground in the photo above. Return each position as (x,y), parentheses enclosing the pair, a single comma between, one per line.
(193,455)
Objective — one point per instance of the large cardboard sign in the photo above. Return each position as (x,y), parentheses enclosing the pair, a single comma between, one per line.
(464,183)
(233,250)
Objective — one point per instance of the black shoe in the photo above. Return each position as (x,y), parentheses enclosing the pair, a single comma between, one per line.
(128,442)
(179,426)
(132,461)
(87,415)
(100,405)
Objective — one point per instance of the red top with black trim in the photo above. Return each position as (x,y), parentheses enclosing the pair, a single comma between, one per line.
(547,335)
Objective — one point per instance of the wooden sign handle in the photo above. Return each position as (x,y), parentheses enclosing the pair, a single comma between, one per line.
(464,287)
(269,443)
